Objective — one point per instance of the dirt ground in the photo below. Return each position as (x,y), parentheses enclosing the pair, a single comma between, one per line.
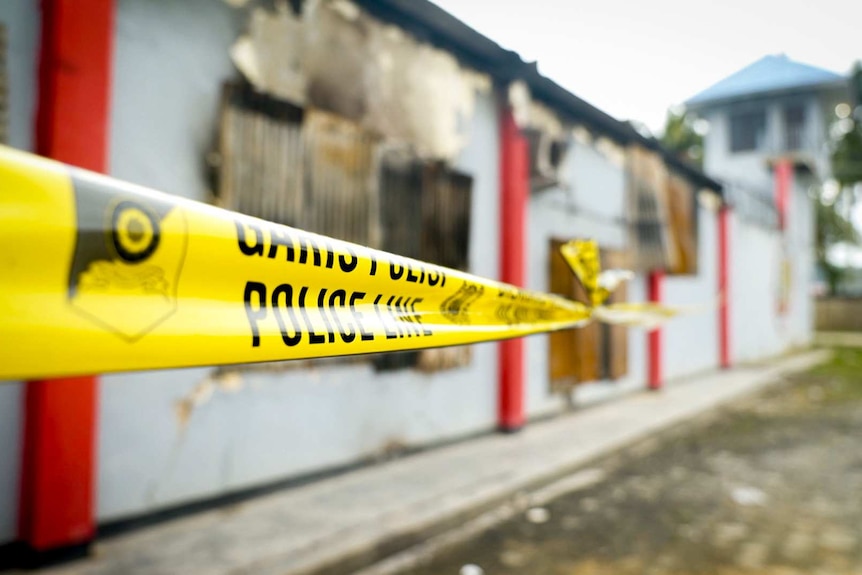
(770,485)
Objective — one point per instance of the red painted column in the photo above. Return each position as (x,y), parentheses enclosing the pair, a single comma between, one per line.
(59,456)
(514,195)
(724,286)
(72,123)
(654,337)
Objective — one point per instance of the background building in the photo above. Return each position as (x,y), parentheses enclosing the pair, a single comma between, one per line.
(774,108)
(768,143)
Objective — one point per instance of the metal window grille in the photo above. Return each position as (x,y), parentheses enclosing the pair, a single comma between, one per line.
(425,214)
(325,174)
(648,235)
(649,229)
(663,232)
(301,168)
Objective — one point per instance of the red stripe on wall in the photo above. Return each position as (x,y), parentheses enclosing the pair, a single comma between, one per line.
(783,183)
(58,470)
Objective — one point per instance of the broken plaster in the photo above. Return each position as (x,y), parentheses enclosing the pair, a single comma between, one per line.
(337,58)
(612,151)
(270,54)
(520,101)
(545,119)
(202,392)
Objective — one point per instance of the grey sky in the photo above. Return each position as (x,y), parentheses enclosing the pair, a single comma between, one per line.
(634,59)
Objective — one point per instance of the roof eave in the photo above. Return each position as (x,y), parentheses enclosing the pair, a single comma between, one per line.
(431,23)
(698,106)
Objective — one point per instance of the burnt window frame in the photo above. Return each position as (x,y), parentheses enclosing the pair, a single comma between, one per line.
(415,194)
(430,230)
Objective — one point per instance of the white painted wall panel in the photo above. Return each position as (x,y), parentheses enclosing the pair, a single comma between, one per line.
(691,340)
(21,20)
(591,206)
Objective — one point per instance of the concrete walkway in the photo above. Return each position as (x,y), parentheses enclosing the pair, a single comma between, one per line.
(346,522)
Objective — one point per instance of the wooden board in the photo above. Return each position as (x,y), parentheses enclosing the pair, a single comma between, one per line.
(574,355)
(617,338)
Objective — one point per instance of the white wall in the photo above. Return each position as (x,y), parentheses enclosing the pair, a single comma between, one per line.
(691,340)
(747,167)
(21,20)
(758,330)
(755,327)
(170,62)
(592,206)
(11,435)
(800,250)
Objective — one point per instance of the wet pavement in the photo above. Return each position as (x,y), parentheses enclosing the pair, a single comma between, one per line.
(771,484)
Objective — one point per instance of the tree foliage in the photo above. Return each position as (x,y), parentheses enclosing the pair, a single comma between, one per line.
(833,226)
(681,137)
(847,157)
(847,149)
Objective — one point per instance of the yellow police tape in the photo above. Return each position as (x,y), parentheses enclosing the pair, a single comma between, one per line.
(97,275)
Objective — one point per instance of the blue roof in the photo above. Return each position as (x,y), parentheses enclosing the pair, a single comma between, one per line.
(769,74)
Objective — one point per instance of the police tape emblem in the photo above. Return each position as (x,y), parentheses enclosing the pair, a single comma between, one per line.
(129,254)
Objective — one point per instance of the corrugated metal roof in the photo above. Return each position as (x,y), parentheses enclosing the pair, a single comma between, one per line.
(772,73)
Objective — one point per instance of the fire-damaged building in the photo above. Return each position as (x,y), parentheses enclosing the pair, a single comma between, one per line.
(383,122)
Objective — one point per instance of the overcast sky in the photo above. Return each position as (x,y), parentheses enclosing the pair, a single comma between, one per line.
(634,59)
